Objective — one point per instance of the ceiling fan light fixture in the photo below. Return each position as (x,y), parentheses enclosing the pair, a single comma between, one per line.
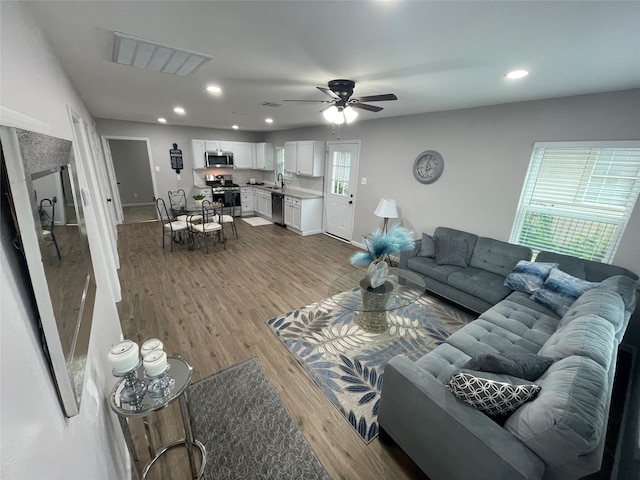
(350,114)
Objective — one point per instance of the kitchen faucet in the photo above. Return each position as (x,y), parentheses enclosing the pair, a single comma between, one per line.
(280,179)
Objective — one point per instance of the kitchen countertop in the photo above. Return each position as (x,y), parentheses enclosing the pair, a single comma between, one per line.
(290,191)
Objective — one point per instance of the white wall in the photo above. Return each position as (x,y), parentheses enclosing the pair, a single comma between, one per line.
(486,152)
(37,440)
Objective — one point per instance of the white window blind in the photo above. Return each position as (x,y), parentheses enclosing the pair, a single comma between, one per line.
(577,198)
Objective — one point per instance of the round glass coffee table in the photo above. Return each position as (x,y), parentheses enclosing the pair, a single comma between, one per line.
(401,288)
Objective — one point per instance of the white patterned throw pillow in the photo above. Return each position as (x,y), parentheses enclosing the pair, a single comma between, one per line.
(489,396)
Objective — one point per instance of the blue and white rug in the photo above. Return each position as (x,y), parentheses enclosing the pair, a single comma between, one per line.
(347,363)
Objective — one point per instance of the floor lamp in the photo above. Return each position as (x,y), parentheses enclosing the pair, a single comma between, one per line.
(386,209)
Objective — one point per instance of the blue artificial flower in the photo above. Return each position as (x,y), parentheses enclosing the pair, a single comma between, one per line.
(379,245)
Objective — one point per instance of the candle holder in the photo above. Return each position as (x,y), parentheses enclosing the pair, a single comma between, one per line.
(134,389)
(160,385)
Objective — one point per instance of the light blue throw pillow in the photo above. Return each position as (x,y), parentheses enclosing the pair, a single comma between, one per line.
(528,276)
(560,290)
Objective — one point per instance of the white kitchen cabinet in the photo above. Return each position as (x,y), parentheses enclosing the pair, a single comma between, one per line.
(243,154)
(264,156)
(305,157)
(214,145)
(197,150)
(246,199)
(303,216)
(263,207)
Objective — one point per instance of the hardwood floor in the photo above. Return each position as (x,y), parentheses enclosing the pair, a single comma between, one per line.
(212,309)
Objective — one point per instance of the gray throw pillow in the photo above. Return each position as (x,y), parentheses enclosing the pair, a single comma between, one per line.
(427,246)
(522,365)
(489,396)
(451,252)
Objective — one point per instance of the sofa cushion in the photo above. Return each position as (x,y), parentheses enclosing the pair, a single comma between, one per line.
(597,301)
(450,251)
(560,290)
(428,267)
(443,361)
(528,276)
(497,257)
(470,238)
(482,284)
(589,336)
(623,286)
(567,419)
(490,396)
(528,366)
(529,328)
(480,337)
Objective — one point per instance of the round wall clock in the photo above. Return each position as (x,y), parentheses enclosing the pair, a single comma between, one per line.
(428,166)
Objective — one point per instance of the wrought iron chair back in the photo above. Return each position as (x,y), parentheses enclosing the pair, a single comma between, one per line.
(47,211)
(171,227)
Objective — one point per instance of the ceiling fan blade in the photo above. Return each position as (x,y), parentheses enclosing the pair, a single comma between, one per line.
(364,106)
(377,98)
(310,101)
(326,91)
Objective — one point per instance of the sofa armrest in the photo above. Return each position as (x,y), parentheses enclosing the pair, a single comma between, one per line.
(446,438)
(407,254)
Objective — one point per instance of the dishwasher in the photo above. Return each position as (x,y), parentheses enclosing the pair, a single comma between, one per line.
(277,208)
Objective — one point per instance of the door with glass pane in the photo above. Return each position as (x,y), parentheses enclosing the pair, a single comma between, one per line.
(340,188)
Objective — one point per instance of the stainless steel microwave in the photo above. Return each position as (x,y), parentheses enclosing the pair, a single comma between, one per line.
(219,159)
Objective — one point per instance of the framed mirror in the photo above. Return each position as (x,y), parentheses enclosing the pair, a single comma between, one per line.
(47,208)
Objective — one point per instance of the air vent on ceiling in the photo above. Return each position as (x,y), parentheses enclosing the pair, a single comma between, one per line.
(138,52)
(271,104)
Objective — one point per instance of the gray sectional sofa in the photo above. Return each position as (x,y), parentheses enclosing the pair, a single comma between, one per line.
(560,434)
(475,282)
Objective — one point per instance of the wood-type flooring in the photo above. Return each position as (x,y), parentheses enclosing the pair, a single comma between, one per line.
(212,309)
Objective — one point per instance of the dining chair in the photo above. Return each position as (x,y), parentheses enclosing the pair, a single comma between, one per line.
(209,226)
(47,211)
(171,227)
(228,210)
(178,205)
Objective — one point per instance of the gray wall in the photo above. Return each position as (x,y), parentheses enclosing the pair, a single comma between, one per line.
(131,165)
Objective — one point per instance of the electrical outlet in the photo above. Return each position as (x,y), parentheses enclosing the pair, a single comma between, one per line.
(135,195)
(157,169)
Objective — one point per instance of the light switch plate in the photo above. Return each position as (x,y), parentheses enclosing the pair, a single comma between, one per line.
(363,181)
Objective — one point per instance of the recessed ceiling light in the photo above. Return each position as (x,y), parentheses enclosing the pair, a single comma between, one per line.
(235,127)
(179,110)
(213,89)
(162,120)
(517,74)
(268,120)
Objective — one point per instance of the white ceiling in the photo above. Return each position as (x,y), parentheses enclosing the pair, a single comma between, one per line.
(434,55)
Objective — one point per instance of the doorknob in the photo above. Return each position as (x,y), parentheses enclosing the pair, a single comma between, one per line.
(108,199)
(350,202)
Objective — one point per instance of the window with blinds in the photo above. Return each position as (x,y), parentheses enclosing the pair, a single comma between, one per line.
(577,198)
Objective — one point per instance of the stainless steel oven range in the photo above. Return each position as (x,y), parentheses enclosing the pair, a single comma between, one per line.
(224,191)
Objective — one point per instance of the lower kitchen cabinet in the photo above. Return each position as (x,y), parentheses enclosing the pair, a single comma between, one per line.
(303,216)
(262,203)
(246,197)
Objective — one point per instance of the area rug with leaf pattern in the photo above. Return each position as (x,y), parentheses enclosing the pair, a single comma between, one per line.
(347,363)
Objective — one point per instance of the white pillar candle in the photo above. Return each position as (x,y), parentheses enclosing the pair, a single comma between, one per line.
(155,362)
(150,345)
(124,356)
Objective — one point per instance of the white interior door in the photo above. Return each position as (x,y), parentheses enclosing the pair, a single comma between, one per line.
(340,188)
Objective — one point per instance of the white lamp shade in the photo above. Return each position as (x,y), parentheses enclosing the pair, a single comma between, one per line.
(330,113)
(386,208)
(339,115)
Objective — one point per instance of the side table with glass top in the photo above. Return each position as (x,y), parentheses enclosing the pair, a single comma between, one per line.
(181,373)
(401,288)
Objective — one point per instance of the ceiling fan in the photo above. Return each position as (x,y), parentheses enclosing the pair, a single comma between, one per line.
(342,104)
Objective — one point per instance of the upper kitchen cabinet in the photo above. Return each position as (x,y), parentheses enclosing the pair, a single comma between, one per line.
(305,157)
(215,145)
(198,149)
(243,154)
(264,157)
